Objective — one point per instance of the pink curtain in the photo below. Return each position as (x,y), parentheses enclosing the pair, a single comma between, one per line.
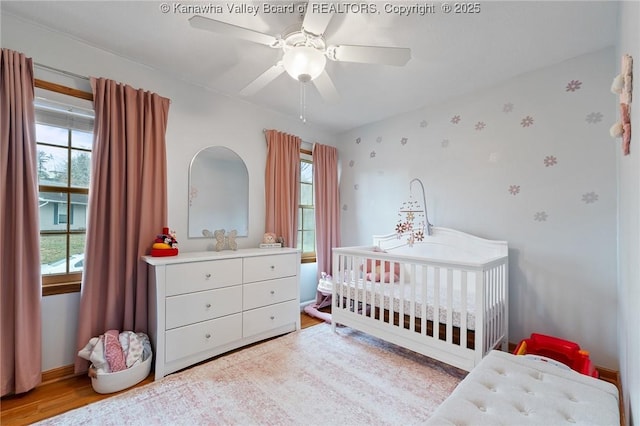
(20,283)
(127,208)
(327,206)
(282,182)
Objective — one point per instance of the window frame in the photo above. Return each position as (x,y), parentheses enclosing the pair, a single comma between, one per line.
(306,156)
(71,282)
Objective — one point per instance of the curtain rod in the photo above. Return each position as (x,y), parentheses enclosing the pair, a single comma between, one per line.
(264,130)
(59,71)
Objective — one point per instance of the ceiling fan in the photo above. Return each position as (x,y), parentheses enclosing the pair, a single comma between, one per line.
(305,51)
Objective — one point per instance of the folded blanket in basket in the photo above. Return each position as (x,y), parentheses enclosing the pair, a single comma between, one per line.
(113,351)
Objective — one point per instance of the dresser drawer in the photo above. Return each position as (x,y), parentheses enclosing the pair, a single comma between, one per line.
(264,293)
(262,268)
(198,276)
(186,309)
(195,338)
(273,316)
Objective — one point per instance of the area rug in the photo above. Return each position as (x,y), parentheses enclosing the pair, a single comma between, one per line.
(311,377)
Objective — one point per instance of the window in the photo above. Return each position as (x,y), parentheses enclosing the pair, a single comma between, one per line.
(64,136)
(306,212)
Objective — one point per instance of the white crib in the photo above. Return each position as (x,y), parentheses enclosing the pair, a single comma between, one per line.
(445,297)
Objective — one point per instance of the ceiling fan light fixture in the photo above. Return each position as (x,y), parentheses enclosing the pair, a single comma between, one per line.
(304,63)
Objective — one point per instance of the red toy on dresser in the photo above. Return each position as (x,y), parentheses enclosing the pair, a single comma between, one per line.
(564,351)
(165,244)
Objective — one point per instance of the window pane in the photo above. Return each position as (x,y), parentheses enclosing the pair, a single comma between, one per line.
(80,168)
(306,172)
(299,219)
(52,135)
(299,245)
(52,205)
(76,245)
(78,220)
(306,194)
(52,166)
(308,241)
(308,219)
(53,252)
(81,139)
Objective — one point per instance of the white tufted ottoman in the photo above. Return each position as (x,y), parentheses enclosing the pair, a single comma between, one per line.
(505,389)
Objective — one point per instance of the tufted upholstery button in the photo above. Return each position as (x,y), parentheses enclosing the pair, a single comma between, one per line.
(570,420)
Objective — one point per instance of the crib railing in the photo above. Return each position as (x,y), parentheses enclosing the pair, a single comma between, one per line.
(452,311)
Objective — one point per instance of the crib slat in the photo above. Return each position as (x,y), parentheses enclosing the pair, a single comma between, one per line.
(449,332)
(400,303)
(463,309)
(436,303)
(423,310)
(412,302)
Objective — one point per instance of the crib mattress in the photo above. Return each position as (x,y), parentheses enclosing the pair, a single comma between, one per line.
(505,389)
(401,294)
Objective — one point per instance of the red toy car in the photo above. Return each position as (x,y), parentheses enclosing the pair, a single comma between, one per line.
(564,351)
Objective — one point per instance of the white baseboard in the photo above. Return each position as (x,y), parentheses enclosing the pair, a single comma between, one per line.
(307,303)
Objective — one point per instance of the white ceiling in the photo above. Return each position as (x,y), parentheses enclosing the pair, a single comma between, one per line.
(452,54)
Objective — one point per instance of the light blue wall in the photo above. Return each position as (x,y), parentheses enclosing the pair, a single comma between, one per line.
(629,223)
(197,119)
(529,161)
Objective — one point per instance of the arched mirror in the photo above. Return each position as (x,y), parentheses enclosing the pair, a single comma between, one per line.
(218,192)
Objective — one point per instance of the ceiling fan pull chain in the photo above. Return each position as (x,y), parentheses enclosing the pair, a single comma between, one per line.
(303,103)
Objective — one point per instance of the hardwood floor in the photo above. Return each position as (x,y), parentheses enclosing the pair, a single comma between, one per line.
(57,397)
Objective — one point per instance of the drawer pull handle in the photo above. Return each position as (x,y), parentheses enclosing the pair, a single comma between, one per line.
(273,292)
(272,317)
(208,305)
(208,336)
(207,276)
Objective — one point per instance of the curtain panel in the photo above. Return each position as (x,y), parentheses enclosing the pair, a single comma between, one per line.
(327,206)
(127,208)
(282,181)
(20,282)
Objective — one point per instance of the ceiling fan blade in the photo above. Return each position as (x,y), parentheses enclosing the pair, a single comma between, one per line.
(263,79)
(316,22)
(397,56)
(326,88)
(223,28)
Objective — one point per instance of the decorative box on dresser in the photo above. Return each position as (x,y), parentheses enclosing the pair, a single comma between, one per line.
(203,304)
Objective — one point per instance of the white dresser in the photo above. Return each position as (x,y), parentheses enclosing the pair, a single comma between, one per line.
(203,304)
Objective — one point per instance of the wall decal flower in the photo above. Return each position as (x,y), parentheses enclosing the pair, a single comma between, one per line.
(404,141)
(445,143)
(351,163)
(379,139)
(550,161)
(507,108)
(480,125)
(527,121)
(423,123)
(356,186)
(358,140)
(455,119)
(573,85)
(345,207)
(590,197)
(372,155)
(540,216)
(594,117)
(514,189)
